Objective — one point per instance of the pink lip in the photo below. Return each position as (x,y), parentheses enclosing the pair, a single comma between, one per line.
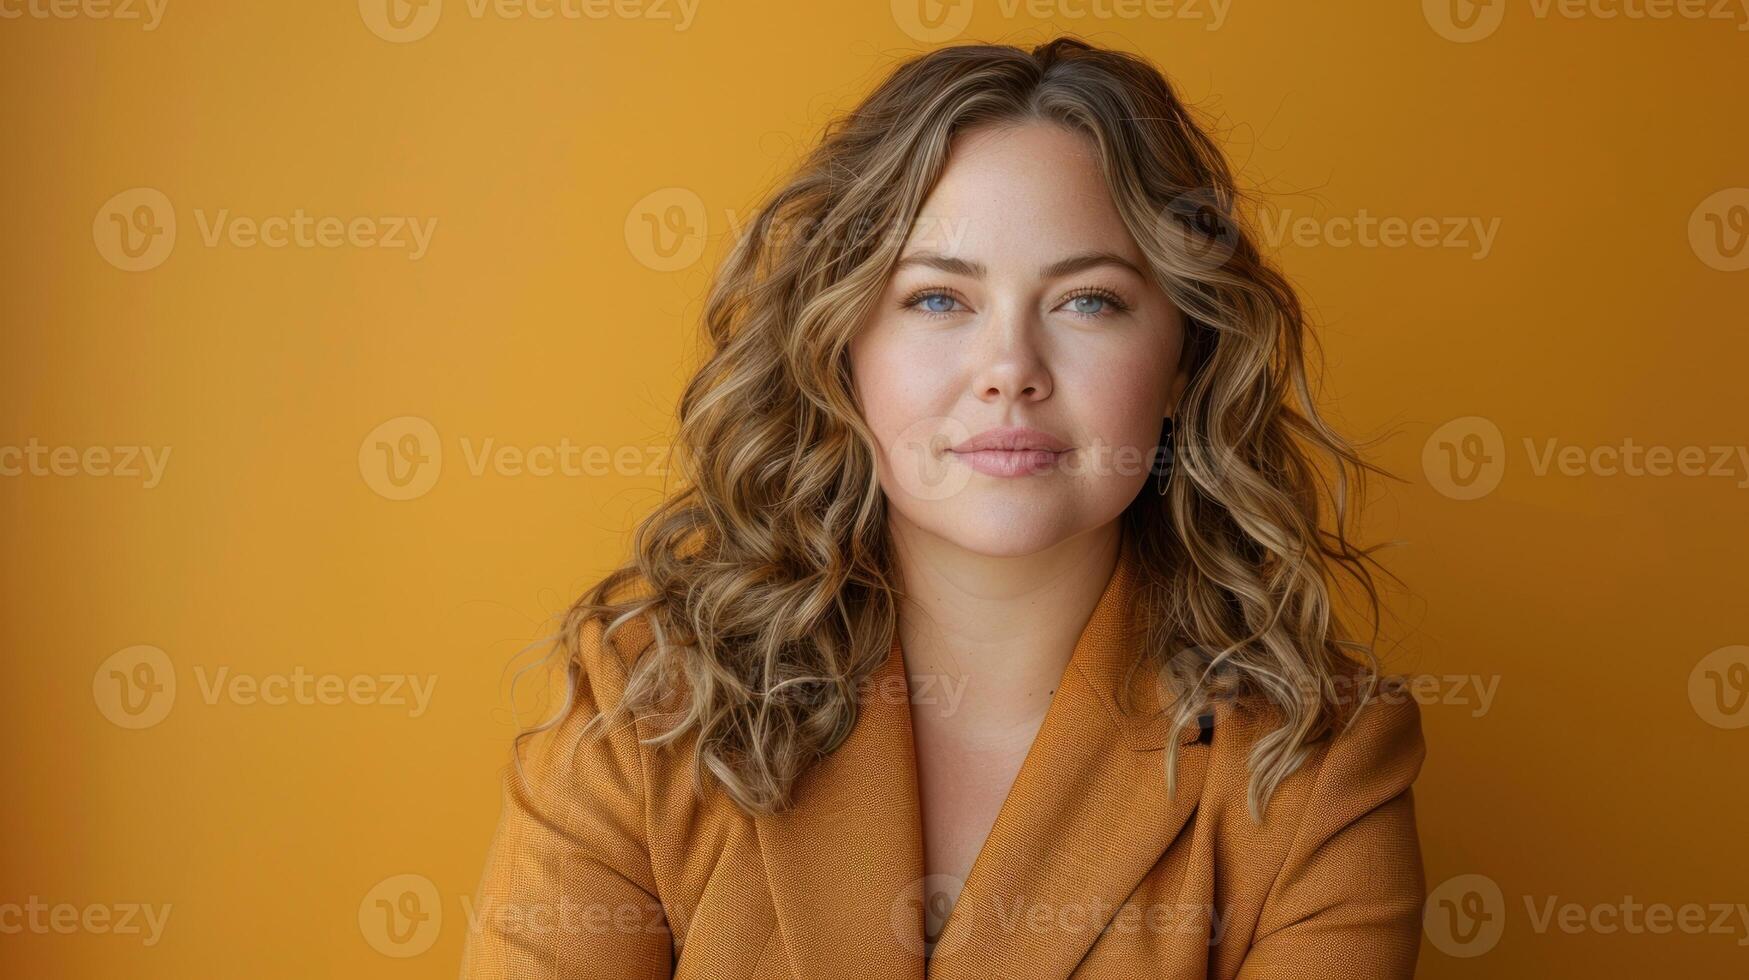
(1011,451)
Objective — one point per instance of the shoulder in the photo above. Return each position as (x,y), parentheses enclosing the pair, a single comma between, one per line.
(1368,763)
(1330,882)
(579,731)
(620,673)
(605,653)
(1372,756)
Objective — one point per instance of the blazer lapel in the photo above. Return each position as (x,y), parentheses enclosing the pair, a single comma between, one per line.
(845,863)
(1086,819)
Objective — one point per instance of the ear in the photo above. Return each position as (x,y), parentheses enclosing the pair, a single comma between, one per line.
(1180,380)
(1175,388)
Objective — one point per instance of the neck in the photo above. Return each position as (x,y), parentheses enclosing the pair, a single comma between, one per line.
(990,636)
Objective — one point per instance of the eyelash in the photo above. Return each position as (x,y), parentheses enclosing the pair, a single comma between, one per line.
(1113,301)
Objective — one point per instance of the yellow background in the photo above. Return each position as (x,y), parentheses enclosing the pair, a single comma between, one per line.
(543,310)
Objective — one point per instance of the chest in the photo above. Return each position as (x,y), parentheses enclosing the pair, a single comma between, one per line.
(963,779)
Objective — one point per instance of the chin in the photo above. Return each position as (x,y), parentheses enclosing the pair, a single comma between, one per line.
(1006,526)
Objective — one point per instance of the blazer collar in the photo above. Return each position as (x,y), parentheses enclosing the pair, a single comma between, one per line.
(1085,820)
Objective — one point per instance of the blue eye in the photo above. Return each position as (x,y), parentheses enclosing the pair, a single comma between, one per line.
(1095,303)
(930,302)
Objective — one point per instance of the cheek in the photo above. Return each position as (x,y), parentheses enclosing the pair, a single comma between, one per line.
(907,395)
(1123,397)
(896,384)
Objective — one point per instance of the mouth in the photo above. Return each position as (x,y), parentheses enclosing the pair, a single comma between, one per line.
(1011,451)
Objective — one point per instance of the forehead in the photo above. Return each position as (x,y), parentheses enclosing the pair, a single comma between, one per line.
(1020,192)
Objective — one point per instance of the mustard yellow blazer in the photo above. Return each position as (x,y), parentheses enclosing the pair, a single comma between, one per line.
(606,864)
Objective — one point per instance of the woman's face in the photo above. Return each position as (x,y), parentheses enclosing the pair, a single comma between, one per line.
(1019,302)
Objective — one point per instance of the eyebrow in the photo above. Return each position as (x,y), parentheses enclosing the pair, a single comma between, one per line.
(976,270)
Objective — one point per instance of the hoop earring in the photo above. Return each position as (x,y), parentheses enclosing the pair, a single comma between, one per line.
(1164,465)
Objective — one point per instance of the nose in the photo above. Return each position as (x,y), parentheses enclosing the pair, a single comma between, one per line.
(1009,364)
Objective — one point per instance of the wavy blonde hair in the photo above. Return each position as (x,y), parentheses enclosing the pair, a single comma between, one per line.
(765,577)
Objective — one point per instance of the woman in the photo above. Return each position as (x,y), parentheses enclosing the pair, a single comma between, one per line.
(995,632)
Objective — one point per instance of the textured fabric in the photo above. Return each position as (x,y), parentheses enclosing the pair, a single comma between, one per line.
(607,864)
